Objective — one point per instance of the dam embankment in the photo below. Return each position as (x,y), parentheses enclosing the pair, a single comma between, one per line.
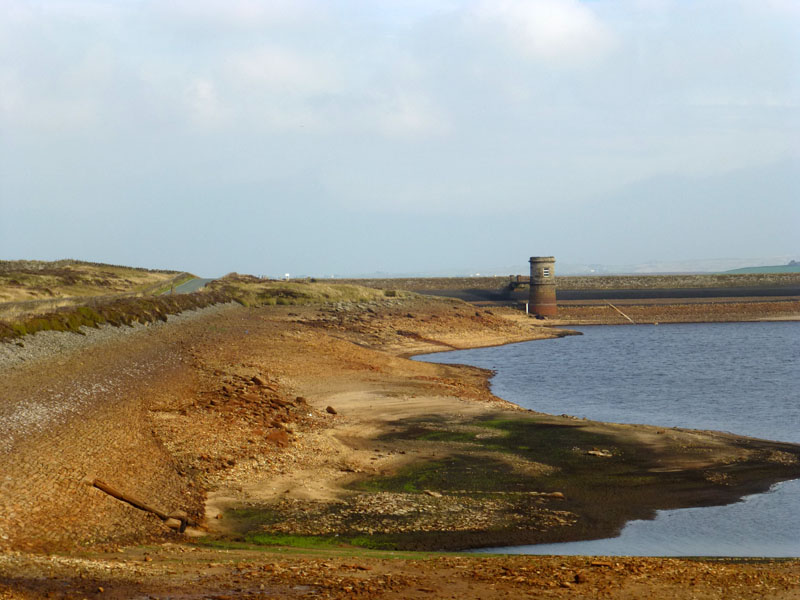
(76,408)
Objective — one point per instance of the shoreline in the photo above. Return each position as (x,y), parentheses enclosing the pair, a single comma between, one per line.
(238,434)
(750,483)
(400,335)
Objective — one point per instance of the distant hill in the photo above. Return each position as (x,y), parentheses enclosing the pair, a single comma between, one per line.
(792,267)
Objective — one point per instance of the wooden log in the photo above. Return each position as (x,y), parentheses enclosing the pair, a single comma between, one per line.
(179,516)
(622,313)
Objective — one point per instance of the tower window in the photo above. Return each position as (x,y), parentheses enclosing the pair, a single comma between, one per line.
(546,272)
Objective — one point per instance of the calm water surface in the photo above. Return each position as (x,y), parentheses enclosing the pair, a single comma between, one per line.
(737,377)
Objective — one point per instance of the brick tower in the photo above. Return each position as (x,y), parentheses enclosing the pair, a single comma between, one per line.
(543,286)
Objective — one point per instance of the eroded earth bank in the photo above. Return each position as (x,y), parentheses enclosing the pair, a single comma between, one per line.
(308,427)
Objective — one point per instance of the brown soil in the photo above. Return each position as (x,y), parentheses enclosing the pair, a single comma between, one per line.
(184,572)
(229,411)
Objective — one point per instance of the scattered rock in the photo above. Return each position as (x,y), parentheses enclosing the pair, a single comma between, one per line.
(432,493)
(173,524)
(330,410)
(279,437)
(601,453)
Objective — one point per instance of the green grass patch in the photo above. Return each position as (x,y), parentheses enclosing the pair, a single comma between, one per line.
(248,524)
(295,541)
(448,436)
(343,549)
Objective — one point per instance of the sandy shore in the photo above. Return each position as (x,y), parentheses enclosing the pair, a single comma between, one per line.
(308,425)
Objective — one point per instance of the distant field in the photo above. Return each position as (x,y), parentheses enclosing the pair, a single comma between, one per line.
(598,282)
(773,269)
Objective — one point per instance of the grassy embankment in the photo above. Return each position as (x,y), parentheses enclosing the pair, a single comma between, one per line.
(147,304)
(253,291)
(37,280)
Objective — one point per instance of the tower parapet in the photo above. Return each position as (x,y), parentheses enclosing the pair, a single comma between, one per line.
(542,298)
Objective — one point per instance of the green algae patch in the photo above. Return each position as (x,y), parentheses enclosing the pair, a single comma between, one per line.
(463,473)
(295,541)
(251,527)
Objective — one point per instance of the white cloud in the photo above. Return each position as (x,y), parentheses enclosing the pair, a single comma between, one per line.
(552,31)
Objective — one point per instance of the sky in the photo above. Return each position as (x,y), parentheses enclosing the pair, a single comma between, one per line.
(398,136)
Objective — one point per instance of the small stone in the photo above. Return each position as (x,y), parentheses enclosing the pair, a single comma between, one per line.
(433,494)
(330,410)
(601,453)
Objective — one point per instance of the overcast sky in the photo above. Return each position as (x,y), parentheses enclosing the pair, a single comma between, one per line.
(398,135)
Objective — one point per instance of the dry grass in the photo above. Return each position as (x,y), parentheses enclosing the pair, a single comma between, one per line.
(128,309)
(35,280)
(253,291)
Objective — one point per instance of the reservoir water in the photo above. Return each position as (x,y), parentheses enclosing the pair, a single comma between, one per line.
(737,377)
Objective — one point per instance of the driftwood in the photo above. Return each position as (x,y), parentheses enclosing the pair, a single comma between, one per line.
(177,520)
(622,313)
